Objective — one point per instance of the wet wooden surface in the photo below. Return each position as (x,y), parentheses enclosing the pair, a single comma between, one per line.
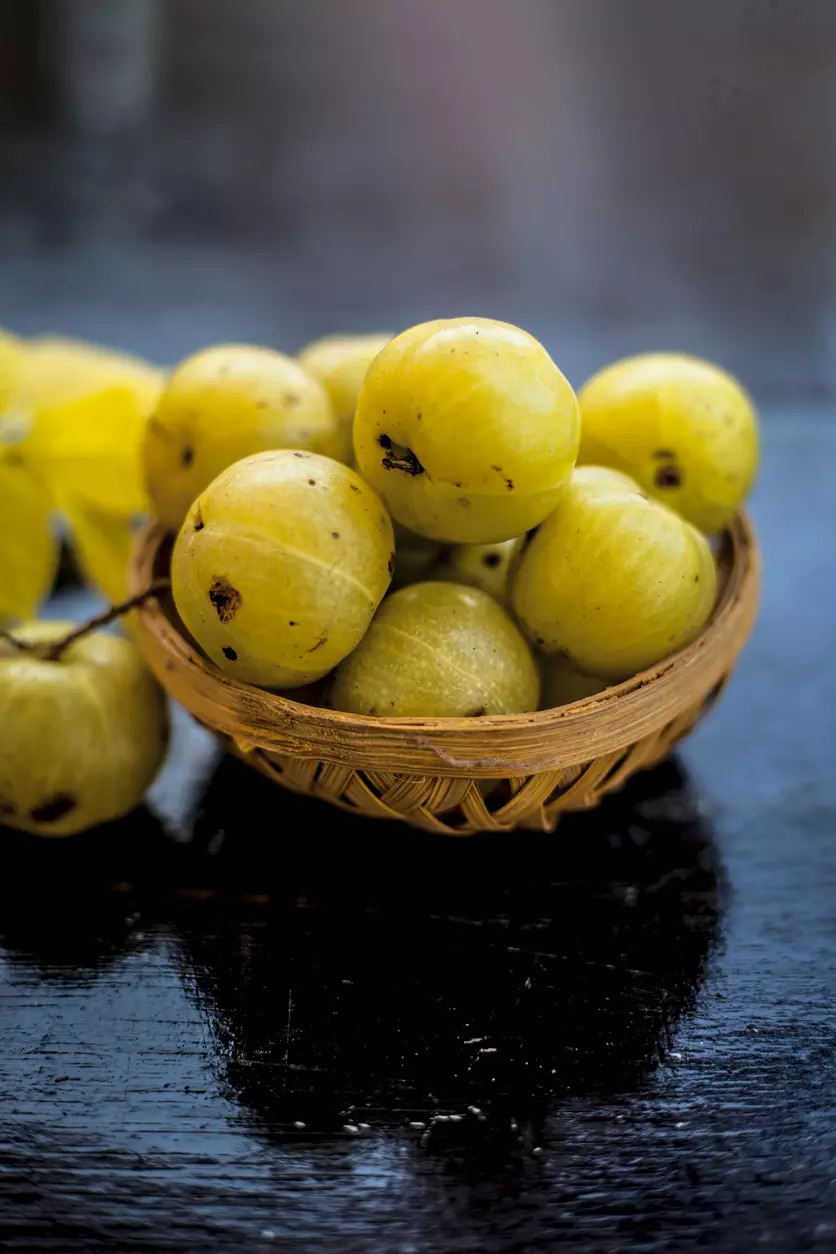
(243,1021)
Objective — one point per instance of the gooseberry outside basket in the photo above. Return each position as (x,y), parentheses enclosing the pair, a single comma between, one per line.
(458,775)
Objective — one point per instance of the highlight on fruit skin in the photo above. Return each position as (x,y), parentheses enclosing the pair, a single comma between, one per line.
(225,403)
(467,429)
(83,736)
(280,565)
(612,581)
(683,428)
(485,566)
(437,650)
(341,363)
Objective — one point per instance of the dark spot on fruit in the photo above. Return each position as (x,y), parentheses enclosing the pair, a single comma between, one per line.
(696,578)
(538,640)
(186,456)
(230,654)
(509,483)
(225,598)
(419,417)
(456,484)
(480,713)
(290,399)
(491,559)
(354,488)
(291,623)
(668,476)
(299,454)
(384,441)
(335,535)
(373,711)
(401,459)
(7,807)
(391,564)
(54,808)
(198,518)
(665,453)
(463,501)
(262,404)
(320,642)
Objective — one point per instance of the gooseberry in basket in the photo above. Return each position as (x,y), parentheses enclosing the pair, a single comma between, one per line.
(485,566)
(341,362)
(280,565)
(223,404)
(84,729)
(467,429)
(438,650)
(564,684)
(683,428)
(612,581)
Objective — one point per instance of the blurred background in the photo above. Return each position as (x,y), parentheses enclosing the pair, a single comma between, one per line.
(613,176)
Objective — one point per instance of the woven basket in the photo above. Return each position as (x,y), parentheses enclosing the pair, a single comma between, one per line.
(458,775)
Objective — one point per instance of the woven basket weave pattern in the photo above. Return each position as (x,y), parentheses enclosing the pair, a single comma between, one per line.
(459,776)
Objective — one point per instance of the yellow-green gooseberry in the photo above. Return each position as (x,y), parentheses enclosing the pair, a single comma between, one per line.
(564,684)
(683,428)
(485,566)
(83,736)
(280,565)
(612,580)
(467,429)
(341,362)
(438,650)
(223,404)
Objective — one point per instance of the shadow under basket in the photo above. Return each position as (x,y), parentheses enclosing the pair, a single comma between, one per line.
(458,775)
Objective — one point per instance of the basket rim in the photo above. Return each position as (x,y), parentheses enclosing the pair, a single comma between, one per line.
(523,743)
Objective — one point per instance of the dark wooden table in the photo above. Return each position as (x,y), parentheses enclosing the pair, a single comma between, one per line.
(241,1021)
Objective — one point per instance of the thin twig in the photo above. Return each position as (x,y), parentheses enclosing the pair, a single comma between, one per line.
(8,638)
(156,589)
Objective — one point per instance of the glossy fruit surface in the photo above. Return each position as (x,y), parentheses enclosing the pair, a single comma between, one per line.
(484,566)
(467,429)
(83,737)
(683,428)
(438,650)
(341,363)
(280,565)
(223,404)
(613,581)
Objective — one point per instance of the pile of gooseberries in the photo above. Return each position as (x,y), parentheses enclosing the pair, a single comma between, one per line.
(424,525)
(509,576)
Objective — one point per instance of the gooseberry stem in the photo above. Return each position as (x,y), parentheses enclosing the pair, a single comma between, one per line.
(8,638)
(155,589)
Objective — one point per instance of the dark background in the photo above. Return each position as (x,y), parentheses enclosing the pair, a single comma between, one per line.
(611,175)
(632,1021)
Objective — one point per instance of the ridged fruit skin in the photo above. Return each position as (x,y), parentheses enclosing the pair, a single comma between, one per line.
(467,429)
(439,650)
(612,580)
(280,565)
(684,429)
(226,403)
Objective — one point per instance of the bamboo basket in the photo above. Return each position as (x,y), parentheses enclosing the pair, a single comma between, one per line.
(458,775)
